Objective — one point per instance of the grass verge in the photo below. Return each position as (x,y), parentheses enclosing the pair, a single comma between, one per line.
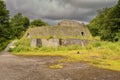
(101,54)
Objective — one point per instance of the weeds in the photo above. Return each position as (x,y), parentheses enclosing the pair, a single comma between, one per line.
(105,53)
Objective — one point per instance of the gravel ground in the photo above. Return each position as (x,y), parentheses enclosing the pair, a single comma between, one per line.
(36,68)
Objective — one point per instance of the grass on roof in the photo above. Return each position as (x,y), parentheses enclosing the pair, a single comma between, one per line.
(62,32)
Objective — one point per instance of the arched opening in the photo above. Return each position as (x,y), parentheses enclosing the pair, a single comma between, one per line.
(82,33)
(28,35)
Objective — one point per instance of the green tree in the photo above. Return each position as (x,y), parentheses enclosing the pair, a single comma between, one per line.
(4,25)
(95,25)
(38,22)
(26,22)
(19,24)
(107,23)
(4,19)
(112,19)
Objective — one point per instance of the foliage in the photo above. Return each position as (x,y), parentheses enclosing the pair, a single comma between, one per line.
(19,24)
(4,25)
(101,54)
(107,23)
(4,14)
(13,29)
(3,44)
(26,22)
(37,23)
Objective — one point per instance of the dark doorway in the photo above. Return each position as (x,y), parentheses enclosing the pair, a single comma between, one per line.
(39,42)
(82,33)
(60,41)
(28,35)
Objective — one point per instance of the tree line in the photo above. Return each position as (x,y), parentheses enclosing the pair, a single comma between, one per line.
(15,27)
(107,24)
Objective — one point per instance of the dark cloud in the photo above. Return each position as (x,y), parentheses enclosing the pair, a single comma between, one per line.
(90,3)
(54,10)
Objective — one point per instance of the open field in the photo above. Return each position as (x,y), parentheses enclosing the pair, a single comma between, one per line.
(48,68)
(101,54)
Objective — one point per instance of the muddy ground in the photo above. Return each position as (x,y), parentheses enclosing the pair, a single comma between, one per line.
(36,68)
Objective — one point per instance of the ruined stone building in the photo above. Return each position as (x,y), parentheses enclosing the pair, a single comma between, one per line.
(67,32)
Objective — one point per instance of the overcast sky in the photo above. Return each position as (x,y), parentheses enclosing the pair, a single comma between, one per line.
(53,11)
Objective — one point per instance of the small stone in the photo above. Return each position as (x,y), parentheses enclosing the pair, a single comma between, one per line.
(78,52)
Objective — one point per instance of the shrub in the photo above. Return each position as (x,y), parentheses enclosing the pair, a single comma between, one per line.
(3,45)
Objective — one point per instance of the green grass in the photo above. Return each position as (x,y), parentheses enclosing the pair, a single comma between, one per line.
(100,54)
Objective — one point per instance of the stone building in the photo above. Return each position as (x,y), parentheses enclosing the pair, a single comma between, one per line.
(67,32)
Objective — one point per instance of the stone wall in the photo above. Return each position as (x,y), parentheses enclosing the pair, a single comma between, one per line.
(35,42)
(74,42)
(50,42)
(57,42)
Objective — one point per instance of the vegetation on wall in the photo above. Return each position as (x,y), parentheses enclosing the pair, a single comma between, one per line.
(107,23)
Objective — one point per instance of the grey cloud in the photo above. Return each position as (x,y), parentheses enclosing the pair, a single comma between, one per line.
(53,11)
(90,3)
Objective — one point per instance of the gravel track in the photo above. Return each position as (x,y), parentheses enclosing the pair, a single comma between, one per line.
(36,68)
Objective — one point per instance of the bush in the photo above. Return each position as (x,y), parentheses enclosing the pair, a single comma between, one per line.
(22,45)
(3,45)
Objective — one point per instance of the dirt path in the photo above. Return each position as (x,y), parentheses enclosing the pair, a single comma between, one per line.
(36,68)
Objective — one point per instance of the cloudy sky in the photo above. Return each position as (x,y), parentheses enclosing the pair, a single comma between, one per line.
(53,11)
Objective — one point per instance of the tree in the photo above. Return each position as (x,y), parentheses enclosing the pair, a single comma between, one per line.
(19,24)
(4,14)
(95,25)
(113,23)
(107,24)
(4,18)
(26,22)
(4,25)
(38,22)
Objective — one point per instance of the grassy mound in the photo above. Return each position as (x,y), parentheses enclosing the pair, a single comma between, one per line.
(61,32)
